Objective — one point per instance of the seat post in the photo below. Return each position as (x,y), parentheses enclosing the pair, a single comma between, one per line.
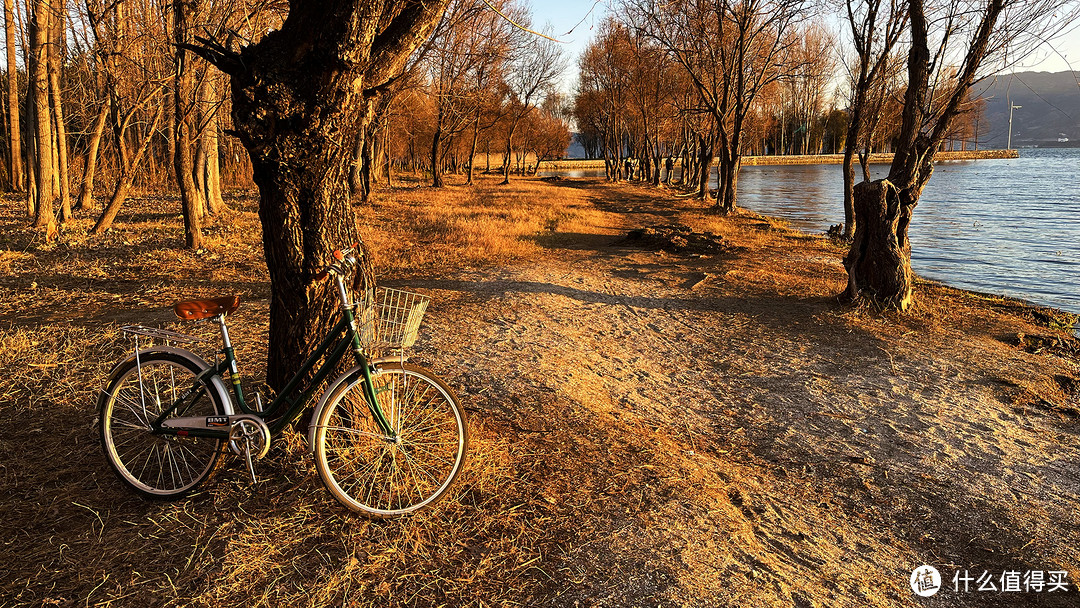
(225,341)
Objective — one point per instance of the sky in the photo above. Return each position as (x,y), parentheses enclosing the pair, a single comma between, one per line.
(574,22)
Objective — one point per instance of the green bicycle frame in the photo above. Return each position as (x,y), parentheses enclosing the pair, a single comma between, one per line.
(292,398)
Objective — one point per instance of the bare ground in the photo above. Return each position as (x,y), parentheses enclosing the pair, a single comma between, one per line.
(653,428)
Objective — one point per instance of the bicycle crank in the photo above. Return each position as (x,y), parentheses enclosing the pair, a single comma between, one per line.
(250,438)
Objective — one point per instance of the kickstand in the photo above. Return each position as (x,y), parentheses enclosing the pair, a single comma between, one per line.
(250,464)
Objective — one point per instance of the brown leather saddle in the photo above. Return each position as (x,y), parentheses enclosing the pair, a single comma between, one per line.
(192,310)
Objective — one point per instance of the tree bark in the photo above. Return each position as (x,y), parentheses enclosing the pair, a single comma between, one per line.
(879,261)
(15,162)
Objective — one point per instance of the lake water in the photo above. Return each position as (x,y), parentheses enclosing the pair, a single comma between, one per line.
(1009,226)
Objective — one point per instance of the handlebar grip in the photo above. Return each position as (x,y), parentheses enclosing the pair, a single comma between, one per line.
(325,272)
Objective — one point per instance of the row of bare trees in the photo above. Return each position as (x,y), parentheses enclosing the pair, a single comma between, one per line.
(705,79)
(106,97)
(102,96)
(483,81)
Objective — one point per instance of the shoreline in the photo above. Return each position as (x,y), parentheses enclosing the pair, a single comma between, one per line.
(801,159)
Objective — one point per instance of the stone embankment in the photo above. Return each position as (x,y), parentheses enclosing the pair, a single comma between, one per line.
(804,159)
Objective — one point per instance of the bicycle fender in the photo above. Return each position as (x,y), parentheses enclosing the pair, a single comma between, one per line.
(346,378)
(216,383)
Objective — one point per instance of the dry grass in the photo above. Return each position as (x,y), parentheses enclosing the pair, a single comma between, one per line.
(640,425)
(416,229)
(76,536)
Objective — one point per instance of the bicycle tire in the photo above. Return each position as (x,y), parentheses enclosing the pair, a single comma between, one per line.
(156,466)
(379,477)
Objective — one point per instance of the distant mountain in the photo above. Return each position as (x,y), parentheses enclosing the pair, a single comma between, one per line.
(1050,112)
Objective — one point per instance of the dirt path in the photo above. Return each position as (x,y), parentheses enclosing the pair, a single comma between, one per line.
(719,444)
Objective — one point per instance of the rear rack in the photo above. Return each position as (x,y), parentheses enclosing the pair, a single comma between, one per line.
(163,335)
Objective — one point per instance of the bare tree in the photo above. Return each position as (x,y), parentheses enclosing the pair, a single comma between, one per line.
(532,71)
(731,50)
(876,27)
(951,43)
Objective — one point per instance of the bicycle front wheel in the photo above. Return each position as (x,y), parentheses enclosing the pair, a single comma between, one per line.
(383,476)
(157,466)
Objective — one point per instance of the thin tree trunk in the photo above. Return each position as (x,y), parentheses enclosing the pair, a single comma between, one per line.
(472,148)
(509,152)
(183,162)
(198,175)
(704,165)
(60,131)
(15,162)
(86,191)
(215,204)
(436,149)
(849,191)
(124,181)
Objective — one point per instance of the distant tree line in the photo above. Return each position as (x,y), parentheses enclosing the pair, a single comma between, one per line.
(636,96)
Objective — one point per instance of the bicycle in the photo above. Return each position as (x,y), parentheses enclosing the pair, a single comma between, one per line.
(388,437)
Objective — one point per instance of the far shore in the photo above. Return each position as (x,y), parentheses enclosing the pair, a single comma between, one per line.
(804,159)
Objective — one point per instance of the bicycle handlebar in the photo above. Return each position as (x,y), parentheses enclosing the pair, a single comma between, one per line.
(346,260)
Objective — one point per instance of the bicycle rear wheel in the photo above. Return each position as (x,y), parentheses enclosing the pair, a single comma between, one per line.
(157,466)
(380,476)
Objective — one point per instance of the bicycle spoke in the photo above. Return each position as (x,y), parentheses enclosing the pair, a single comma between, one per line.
(378,436)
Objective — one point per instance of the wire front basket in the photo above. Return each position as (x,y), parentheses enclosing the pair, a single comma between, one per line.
(389,319)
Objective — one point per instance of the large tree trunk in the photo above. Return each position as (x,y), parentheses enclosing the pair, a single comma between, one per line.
(15,162)
(879,261)
(296,99)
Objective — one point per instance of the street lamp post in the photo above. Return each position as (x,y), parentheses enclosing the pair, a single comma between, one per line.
(1011,108)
